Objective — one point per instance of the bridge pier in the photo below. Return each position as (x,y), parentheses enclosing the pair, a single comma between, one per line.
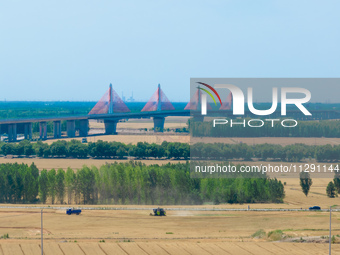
(43,130)
(71,128)
(57,129)
(83,128)
(12,132)
(28,131)
(198,118)
(158,124)
(110,126)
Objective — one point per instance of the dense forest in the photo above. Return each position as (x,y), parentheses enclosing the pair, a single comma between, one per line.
(325,128)
(173,150)
(130,183)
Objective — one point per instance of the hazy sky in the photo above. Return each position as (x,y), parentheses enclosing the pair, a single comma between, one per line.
(72,50)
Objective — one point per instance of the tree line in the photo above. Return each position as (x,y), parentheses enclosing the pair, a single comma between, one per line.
(322,128)
(173,150)
(130,183)
(99,149)
(332,189)
(290,153)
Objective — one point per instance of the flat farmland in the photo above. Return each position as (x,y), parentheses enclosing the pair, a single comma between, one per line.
(56,163)
(186,224)
(159,138)
(128,229)
(136,124)
(164,248)
(133,139)
(181,232)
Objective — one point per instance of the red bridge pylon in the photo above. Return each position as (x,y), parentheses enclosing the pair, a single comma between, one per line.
(158,102)
(195,102)
(228,103)
(109,103)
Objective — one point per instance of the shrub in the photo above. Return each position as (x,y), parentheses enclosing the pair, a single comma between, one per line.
(275,235)
(259,234)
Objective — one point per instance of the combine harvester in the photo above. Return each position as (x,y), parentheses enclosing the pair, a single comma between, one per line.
(158,212)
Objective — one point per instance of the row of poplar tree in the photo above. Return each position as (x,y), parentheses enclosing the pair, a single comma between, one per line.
(130,183)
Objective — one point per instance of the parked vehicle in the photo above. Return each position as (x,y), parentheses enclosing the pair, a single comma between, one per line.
(73,211)
(314,208)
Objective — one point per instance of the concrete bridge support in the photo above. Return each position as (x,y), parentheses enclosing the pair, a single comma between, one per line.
(28,131)
(83,128)
(110,126)
(57,129)
(12,132)
(43,130)
(158,124)
(71,128)
(199,118)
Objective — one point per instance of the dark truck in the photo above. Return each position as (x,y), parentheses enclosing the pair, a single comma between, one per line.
(73,211)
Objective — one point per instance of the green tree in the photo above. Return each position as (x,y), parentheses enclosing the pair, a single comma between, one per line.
(59,148)
(305,182)
(60,185)
(86,181)
(43,186)
(331,192)
(52,184)
(28,150)
(70,181)
(336,181)
(31,183)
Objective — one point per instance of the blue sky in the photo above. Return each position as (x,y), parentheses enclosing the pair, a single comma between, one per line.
(72,50)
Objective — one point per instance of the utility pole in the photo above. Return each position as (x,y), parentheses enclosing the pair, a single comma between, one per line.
(330,229)
(42,243)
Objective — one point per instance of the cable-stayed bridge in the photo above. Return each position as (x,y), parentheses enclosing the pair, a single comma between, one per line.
(111,109)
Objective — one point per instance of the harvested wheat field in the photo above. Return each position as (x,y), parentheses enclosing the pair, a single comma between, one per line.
(128,229)
(166,248)
(133,139)
(170,122)
(49,163)
(138,225)
(181,232)
(158,138)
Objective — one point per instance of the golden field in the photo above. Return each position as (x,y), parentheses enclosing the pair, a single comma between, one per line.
(158,138)
(166,248)
(128,229)
(133,139)
(180,232)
